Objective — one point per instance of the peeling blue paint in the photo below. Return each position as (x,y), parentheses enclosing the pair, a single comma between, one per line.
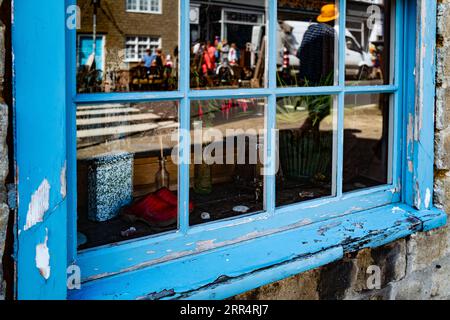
(219,259)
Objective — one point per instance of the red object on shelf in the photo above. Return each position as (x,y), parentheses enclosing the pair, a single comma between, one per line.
(171,198)
(156,209)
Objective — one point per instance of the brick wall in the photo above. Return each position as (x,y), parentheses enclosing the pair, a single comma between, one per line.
(116,23)
(417,267)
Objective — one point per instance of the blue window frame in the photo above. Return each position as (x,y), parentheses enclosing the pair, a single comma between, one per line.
(219,259)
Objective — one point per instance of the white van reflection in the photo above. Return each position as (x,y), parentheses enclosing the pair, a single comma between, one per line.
(357,61)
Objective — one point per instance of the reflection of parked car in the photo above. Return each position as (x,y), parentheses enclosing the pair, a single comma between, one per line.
(358,62)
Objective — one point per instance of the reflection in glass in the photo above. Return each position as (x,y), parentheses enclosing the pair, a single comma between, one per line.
(306,139)
(127,179)
(306,43)
(368,30)
(228,44)
(226,170)
(366,141)
(127,45)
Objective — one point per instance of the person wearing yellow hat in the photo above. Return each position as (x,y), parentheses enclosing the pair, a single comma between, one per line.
(329,12)
(316,51)
(316,55)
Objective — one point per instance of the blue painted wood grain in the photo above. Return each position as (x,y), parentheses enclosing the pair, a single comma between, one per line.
(242,263)
(38,34)
(192,262)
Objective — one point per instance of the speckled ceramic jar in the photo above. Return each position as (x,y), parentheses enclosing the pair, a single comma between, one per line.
(110,185)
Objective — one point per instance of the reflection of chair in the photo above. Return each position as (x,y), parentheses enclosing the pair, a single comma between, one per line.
(153,78)
(139,80)
(89,81)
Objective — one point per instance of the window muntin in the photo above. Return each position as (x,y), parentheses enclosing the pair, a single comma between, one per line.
(124,153)
(136,47)
(145,6)
(133,52)
(132,5)
(380,196)
(228,45)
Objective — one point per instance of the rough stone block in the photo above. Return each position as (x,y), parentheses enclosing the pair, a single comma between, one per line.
(440,280)
(299,287)
(424,249)
(414,287)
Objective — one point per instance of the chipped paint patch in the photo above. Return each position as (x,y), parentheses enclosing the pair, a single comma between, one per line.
(39,205)
(427,199)
(397,209)
(417,199)
(205,245)
(410,166)
(410,129)
(63,179)
(43,259)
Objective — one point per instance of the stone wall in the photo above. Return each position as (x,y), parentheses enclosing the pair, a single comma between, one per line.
(119,24)
(417,267)
(4,210)
(5,96)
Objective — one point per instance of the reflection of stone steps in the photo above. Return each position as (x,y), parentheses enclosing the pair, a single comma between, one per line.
(102,106)
(125,118)
(117,119)
(103,112)
(122,129)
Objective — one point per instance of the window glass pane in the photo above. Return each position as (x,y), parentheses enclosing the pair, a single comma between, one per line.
(228,44)
(144,5)
(366,141)
(132,4)
(307,51)
(305,146)
(127,179)
(155,5)
(368,49)
(131,51)
(226,164)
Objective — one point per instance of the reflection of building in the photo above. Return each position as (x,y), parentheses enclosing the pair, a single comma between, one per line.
(231,20)
(125,29)
(236,23)
(359,14)
(365,25)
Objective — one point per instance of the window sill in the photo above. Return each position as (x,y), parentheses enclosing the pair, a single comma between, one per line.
(144,12)
(230,270)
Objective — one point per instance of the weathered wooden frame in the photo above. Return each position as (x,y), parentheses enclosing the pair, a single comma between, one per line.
(224,258)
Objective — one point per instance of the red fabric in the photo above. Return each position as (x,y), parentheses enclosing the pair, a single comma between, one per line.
(156,208)
(152,209)
(171,198)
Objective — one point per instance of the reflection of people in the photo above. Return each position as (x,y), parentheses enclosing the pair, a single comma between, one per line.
(224,52)
(233,55)
(148,58)
(209,59)
(316,56)
(377,72)
(159,59)
(316,52)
